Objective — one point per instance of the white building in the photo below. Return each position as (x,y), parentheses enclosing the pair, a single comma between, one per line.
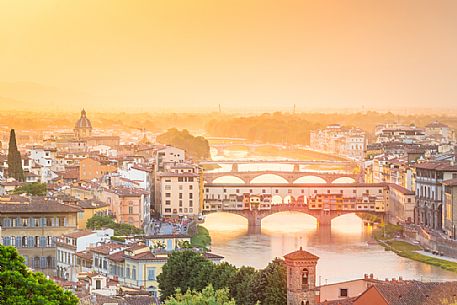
(69,244)
(169,156)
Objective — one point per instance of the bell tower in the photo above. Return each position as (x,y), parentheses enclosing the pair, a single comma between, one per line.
(301,278)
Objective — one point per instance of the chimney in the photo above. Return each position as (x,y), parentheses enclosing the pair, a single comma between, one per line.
(371,275)
(400,278)
(365,276)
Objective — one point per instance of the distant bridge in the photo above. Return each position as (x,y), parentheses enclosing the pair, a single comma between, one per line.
(290,177)
(275,161)
(323,216)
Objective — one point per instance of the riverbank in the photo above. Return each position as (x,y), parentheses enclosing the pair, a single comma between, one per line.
(387,236)
(201,238)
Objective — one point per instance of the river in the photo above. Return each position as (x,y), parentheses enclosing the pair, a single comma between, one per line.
(343,250)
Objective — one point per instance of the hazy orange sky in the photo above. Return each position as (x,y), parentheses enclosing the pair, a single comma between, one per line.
(256,54)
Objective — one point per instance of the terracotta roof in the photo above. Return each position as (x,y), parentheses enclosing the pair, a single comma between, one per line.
(450,182)
(301,255)
(210,255)
(143,256)
(170,174)
(417,293)
(91,204)
(106,248)
(87,255)
(117,257)
(437,165)
(77,234)
(401,189)
(38,206)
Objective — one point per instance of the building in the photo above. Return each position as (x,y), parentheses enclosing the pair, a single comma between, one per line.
(128,205)
(179,193)
(32,226)
(450,208)
(83,127)
(301,278)
(438,132)
(92,168)
(339,140)
(90,208)
(429,192)
(402,203)
(168,156)
(71,243)
(399,133)
(398,292)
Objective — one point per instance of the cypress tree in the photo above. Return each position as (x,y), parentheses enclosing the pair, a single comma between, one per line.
(14,159)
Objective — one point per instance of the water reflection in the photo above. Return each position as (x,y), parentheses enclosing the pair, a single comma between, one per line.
(343,249)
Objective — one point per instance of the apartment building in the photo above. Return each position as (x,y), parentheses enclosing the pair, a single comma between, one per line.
(33,225)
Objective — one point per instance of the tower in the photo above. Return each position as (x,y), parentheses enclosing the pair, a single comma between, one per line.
(83,127)
(301,278)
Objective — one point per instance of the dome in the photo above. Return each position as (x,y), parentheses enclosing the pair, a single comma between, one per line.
(83,121)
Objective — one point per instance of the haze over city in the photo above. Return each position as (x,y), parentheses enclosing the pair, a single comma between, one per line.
(228,152)
(248,56)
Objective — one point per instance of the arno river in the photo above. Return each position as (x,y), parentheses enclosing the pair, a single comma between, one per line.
(344,252)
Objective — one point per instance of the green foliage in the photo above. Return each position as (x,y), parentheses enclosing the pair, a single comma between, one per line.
(201,239)
(188,270)
(98,222)
(241,283)
(408,250)
(270,286)
(19,286)
(196,147)
(184,270)
(387,231)
(34,189)
(14,159)
(208,296)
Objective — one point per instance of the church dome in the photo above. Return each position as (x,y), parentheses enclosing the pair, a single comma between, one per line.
(83,121)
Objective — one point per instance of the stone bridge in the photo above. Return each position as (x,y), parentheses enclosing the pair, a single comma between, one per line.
(289,177)
(324,217)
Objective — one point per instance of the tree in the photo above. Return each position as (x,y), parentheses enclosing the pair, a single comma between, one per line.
(14,159)
(19,286)
(34,189)
(98,222)
(270,285)
(240,285)
(208,296)
(196,147)
(222,275)
(184,270)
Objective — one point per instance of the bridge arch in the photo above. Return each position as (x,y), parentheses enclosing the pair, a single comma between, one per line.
(229,179)
(310,179)
(268,178)
(344,180)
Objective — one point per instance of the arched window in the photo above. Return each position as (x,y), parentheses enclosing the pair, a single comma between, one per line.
(305,278)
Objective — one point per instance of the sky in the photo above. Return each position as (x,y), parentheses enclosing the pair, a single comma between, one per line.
(241,54)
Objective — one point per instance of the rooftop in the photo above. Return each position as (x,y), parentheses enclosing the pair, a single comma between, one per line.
(301,255)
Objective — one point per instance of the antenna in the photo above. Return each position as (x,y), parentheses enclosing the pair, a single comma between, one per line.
(220,108)
(294,108)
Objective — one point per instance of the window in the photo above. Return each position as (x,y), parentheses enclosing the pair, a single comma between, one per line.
(191,187)
(130,209)
(98,284)
(134,273)
(167,195)
(305,278)
(343,292)
(180,195)
(151,274)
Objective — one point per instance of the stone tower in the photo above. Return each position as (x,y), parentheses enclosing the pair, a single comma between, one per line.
(301,278)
